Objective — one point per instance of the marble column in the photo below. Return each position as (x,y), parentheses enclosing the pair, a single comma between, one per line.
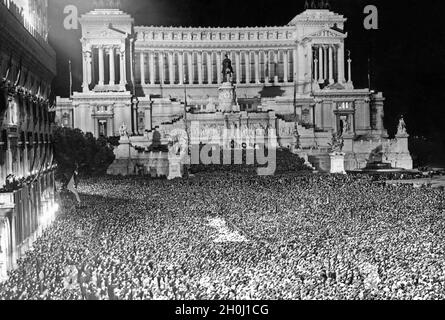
(301,63)
(123,68)
(219,58)
(101,66)
(285,66)
(331,65)
(89,67)
(266,67)
(152,68)
(310,54)
(341,63)
(349,70)
(209,67)
(276,55)
(112,71)
(181,67)
(320,64)
(295,63)
(142,62)
(325,67)
(190,66)
(257,67)
(161,68)
(171,69)
(318,111)
(315,66)
(247,61)
(85,87)
(25,157)
(200,67)
(238,67)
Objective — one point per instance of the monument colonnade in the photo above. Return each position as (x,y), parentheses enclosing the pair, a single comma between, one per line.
(115,53)
(165,66)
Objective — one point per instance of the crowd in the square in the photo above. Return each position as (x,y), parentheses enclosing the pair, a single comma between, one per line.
(308,237)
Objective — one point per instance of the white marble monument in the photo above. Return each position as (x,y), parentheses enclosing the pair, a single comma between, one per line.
(226,94)
(299,71)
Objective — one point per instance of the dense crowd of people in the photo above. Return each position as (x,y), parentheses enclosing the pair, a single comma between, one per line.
(307,237)
(284,160)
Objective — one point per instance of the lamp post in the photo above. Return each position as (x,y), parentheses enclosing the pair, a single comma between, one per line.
(134,111)
(129,154)
(185,113)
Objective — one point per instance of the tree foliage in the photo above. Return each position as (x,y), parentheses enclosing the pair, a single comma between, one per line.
(75,148)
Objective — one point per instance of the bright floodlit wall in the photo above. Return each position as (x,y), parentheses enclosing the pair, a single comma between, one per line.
(146,76)
(33,14)
(27,188)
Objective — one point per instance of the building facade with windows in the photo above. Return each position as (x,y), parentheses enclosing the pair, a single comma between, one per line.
(27,186)
(143,76)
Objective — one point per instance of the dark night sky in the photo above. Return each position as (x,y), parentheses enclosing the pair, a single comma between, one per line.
(407,52)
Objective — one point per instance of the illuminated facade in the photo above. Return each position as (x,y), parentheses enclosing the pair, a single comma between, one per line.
(143,75)
(27,187)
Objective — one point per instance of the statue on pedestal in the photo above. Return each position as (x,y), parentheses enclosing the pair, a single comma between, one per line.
(401,129)
(337,156)
(123,132)
(177,153)
(227,69)
(174,148)
(178,144)
(337,143)
(348,126)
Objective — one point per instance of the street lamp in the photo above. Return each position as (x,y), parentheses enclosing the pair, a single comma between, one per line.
(185,111)
(134,110)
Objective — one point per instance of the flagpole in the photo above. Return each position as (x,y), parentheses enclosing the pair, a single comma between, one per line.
(71,78)
(369,73)
(295,95)
(185,113)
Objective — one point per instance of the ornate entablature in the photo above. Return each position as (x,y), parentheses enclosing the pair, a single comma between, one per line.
(178,36)
(102,99)
(103,110)
(343,95)
(326,36)
(105,26)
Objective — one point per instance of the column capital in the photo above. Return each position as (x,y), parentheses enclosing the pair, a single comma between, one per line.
(87,47)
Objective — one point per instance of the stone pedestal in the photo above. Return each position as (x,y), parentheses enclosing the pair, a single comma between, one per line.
(158,164)
(175,167)
(226,94)
(123,163)
(337,162)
